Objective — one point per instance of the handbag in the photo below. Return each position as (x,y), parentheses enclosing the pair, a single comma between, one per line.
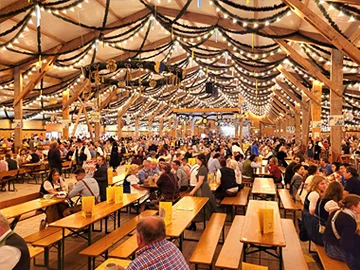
(321,227)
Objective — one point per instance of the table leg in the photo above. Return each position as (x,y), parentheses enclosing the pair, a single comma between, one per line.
(106,225)
(89,243)
(62,250)
(114,221)
(181,241)
(118,218)
(204,216)
(244,252)
(280,259)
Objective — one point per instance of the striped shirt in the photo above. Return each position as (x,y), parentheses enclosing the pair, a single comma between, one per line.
(159,255)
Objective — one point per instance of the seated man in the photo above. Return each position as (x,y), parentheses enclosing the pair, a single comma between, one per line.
(12,163)
(145,172)
(13,249)
(85,186)
(33,157)
(155,252)
(225,176)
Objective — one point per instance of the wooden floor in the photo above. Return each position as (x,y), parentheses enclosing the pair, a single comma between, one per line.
(73,245)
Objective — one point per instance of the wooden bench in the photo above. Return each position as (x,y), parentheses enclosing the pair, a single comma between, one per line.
(48,241)
(240,200)
(230,254)
(293,256)
(41,234)
(10,176)
(126,249)
(205,249)
(19,200)
(327,262)
(35,251)
(287,202)
(102,246)
(123,263)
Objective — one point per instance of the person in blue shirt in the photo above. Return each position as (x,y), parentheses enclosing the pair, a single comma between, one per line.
(325,167)
(255,149)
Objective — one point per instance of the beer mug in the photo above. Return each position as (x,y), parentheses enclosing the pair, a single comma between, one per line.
(111,266)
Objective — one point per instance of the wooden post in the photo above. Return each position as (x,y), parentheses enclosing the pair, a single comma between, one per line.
(18,113)
(297,124)
(316,110)
(137,132)
(150,123)
(65,114)
(305,121)
(161,126)
(120,125)
(176,123)
(185,128)
(336,103)
(193,126)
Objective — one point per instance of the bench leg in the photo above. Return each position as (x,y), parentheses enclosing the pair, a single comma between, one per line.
(311,251)
(280,259)
(204,217)
(46,257)
(118,218)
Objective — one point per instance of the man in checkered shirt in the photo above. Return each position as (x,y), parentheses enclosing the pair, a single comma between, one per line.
(155,252)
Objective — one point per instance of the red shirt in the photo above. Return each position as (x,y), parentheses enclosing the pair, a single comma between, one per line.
(275,171)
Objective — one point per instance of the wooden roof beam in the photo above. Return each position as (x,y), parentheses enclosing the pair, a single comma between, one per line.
(36,77)
(20,4)
(290,93)
(325,30)
(294,81)
(280,95)
(128,104)
(108,99)
(205,110)
(281,105)
(77,93)
(349,2)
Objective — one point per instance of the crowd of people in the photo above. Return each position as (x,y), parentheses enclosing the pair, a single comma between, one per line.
(329,192)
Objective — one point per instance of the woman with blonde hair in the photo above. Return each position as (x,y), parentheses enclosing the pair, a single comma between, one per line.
(131,185)
(341,238)
(311,222)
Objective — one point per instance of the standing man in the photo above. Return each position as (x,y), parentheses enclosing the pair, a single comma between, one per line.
(14,253)
(81,153)
(54,157)
(101,176)
(155,252)
(181,174)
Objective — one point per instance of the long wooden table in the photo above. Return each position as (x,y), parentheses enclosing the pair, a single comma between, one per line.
(264,188)
(18,210)
(123,263)
(184,211)
(252,237)
(77,222)
(262,171)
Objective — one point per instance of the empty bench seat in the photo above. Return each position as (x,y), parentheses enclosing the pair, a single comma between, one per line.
(126,249)
(293,256)
(35,251)
(287,202)
(327,262)
(205,249)
(41,234)
(240,200)
(230,254)
(101,246)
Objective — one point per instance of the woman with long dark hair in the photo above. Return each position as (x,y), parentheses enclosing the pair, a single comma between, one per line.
(202,189)
(168,184)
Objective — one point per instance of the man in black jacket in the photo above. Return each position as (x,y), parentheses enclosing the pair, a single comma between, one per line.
(101,177)
(54,157)
(289,172)
(12,163)
(13,249)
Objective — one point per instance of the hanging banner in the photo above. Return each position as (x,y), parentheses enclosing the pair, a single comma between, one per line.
(336,120)
(316,124)
(290,129)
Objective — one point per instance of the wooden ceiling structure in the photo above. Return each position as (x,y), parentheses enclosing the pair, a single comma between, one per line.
(267,51)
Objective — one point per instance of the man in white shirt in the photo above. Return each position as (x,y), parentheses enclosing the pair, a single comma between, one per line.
(14,253)
(81,153)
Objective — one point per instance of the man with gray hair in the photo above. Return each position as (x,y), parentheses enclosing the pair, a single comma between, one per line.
(145,172)
(14,253)
(155,252)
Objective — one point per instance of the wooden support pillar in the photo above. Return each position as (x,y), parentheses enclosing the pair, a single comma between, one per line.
(297,124)
(176,123)
(161,127)
(305,123)
(283,127)
(336,134)
(97,121)
(193,126)
(316,110)
(170,127)
(150,123)
(65,114)
(18,113)
(120,125)
(137,132)
(241,126)
(185,128)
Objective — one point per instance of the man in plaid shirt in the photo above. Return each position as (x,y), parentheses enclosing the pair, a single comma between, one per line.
(155,252)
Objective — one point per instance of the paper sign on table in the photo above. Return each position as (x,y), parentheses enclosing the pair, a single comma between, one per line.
(249,266)
(110,194)
(110,176)
(119,191)
(165,211)
(88,204)
(266,220)
(191,161)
